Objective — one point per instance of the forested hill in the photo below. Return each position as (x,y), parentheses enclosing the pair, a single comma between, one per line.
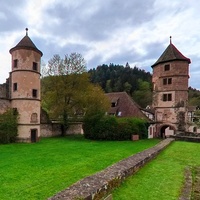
(117,78)
(136,82)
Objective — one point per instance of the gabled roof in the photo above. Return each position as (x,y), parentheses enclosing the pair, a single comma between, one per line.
(26,43)
(125,105)
(171,53)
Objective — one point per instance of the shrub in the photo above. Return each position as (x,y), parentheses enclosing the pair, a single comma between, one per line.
(8,126)
(99,127)
(112,128)
(126,128)
(89,123)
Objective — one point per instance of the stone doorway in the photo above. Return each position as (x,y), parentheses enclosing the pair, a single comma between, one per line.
(33,135)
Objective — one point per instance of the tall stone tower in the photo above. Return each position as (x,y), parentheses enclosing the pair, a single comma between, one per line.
(25,88)
(170,91)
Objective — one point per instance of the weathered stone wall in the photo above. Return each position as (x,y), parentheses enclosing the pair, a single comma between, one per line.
(187,136)
(54,129)
(4,90)
(75,128)
(97,186)
(4,105)
(50,130)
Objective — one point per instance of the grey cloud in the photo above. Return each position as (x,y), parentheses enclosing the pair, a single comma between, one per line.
(11,21)
(110,16)
(154,50)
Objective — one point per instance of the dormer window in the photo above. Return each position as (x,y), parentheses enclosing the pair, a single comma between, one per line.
(35,66)
(114,102)
(167,67)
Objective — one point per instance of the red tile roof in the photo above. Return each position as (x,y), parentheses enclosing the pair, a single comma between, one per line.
(171,53)
(125,105)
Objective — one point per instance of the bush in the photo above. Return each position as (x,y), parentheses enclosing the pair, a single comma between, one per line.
(8,127)
(89,123)
(112,128)
(99,127)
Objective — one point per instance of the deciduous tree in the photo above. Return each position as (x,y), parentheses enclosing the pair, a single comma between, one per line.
(67,90)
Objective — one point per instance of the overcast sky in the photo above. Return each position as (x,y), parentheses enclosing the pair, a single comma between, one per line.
(103,31)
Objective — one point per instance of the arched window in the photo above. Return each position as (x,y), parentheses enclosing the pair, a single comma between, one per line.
(34,118)
(194,129)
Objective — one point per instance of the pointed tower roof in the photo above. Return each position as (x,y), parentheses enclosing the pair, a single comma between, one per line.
(26,43)
(171,53)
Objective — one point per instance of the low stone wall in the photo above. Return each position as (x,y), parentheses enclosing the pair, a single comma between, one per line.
(4,105)
(54,129)
(50,130)
(75,128)
(186,138)
(101,184)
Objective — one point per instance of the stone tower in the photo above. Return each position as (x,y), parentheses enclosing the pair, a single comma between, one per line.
(170,91)
(25,88)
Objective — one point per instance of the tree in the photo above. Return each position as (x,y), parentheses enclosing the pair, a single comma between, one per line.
(67,91)
(8,126)
(143,96)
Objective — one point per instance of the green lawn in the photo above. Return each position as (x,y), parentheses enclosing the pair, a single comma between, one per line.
(161,179)
(39,170)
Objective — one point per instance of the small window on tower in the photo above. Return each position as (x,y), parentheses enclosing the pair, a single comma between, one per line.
(35,66)
(34,118)
(169,80)
(167,97)
(164,97)
(165,81)
(14,86)
(167,67)
(15,64)
(34,93)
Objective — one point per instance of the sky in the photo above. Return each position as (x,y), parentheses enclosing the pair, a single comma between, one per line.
(103,31)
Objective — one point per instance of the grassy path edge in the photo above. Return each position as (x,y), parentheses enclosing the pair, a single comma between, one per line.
(102,183)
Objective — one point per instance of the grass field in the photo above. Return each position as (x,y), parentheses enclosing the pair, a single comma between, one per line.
(39,170)
(162,178)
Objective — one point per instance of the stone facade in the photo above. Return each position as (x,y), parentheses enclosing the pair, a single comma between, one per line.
(170,92)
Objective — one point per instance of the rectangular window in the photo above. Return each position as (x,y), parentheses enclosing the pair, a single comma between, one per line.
(167,67)
(34,93)
(167,97)
(35,66)
(15,64)
(14,86)
(167,81)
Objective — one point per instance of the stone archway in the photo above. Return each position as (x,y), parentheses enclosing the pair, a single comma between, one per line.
(166,130)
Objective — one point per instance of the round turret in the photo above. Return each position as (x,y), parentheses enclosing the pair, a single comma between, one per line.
(25,88)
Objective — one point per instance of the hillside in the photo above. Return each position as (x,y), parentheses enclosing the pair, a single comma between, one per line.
(136,82)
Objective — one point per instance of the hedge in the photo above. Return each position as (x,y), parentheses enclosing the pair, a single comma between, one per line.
(112,128)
